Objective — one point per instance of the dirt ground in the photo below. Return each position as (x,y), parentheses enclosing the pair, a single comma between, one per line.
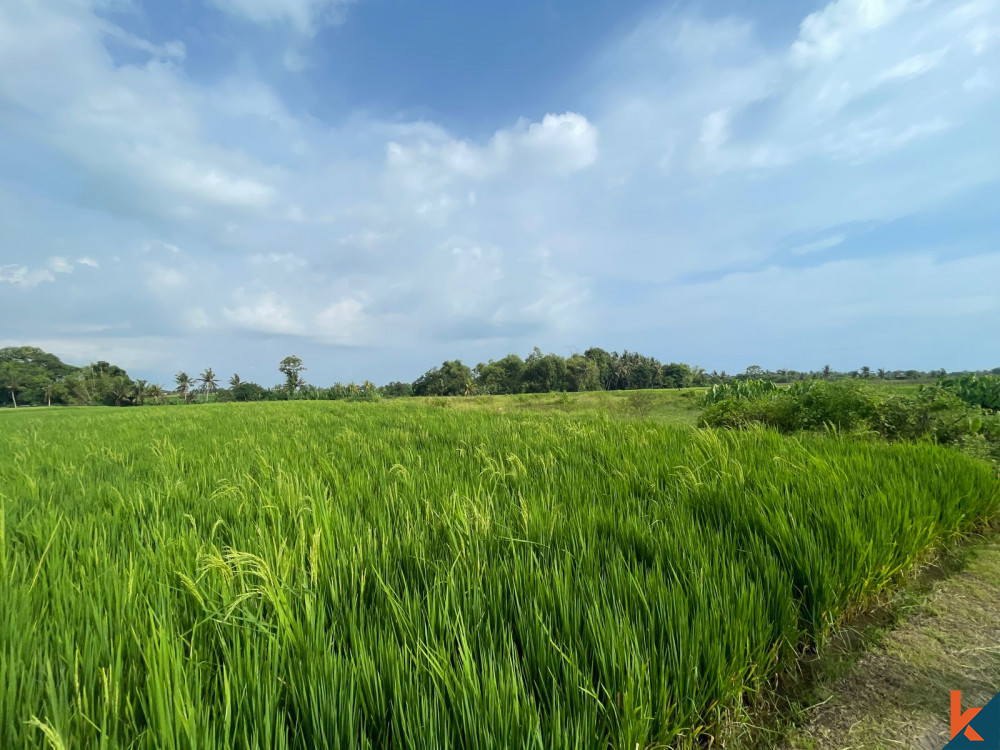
(946,636)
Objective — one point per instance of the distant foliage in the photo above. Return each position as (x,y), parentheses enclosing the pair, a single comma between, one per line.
(32,377)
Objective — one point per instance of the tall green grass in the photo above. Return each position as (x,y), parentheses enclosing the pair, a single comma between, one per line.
(301,575)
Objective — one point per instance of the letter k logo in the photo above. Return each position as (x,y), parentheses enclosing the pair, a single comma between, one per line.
(960,721)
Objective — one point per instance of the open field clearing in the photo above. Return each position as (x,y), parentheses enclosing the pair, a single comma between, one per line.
(396,574)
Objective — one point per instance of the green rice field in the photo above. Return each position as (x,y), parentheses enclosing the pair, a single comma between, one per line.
(408,575)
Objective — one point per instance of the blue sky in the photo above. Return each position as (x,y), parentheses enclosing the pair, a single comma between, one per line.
(377,185)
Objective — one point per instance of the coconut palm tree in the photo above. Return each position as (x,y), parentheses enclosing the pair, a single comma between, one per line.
(12,383)
(623,367)
(156,393)
(234,381)
(122,389)
(209,382)
(184,384)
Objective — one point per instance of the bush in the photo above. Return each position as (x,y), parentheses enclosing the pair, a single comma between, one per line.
(810,405)
(934,413)
(247,391)
(740,390)
(977,390)
(640,403)
(844,404)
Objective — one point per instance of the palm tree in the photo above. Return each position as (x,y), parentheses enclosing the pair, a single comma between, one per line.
(156,393)
(623,368)
(209,382)
(184,384)
(12,383)
(141,391)
(49,388)
(122,389)
(234,381)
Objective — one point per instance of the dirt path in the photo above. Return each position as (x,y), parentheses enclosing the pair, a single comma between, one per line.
(896,695)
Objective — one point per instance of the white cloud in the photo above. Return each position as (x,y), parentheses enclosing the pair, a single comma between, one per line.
(207,183)
(715,130)
(172,50)
(137,129)
(559,144)
(60,264)
(162,277)
(819,245)
(89,262)
(864,139)
(566,142)
(24,276)
(825,34)
(340,322)
(265,313)
(983,37)
(284,260)
(913,66)
(978,81)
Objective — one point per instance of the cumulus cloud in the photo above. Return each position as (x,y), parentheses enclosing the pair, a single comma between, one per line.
(559,144)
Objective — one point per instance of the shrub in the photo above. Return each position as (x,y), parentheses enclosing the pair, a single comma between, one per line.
(976,390)
(844,404)
(740,390)
(640,403)
(809,405)
(933,413)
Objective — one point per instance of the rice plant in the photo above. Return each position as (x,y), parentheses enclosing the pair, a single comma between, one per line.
(302,575)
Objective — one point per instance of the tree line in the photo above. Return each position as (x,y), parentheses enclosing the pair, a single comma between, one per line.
(33,377)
